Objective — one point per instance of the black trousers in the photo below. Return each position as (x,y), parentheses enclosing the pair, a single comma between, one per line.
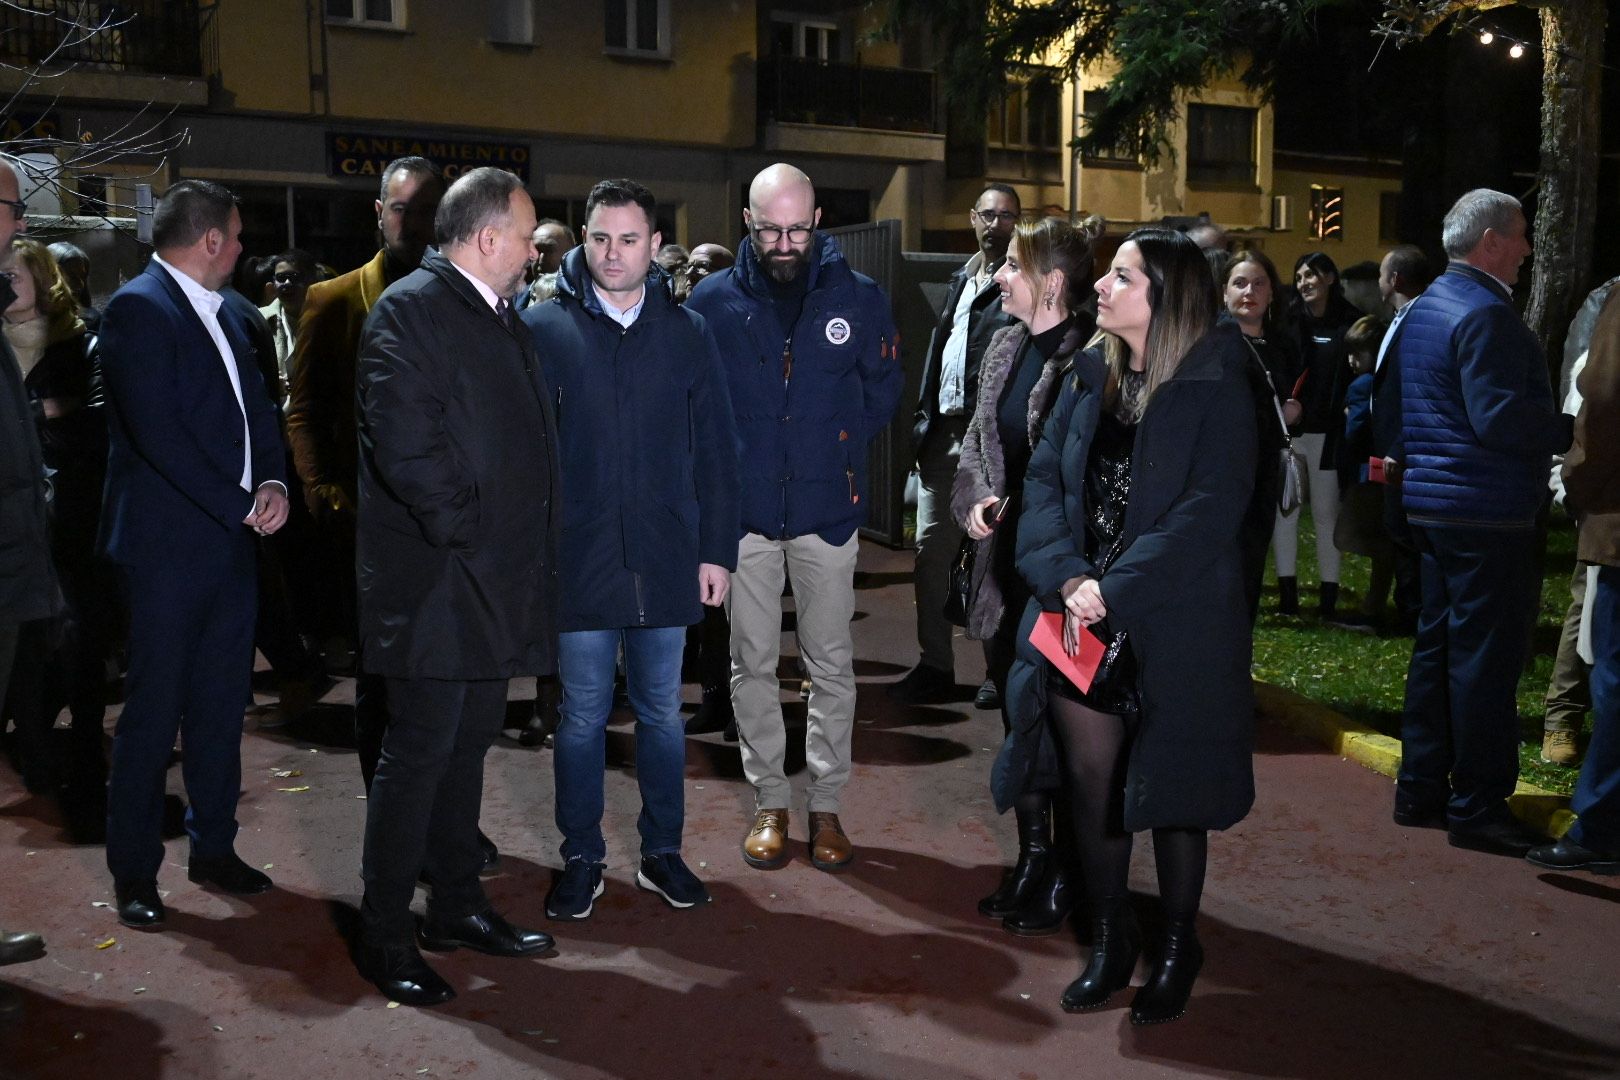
(422,813)
(190,662)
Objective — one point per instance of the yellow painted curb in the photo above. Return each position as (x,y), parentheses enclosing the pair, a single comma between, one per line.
(1348,738)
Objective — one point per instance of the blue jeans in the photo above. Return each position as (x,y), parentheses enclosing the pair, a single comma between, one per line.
(587,659)
(1597,793)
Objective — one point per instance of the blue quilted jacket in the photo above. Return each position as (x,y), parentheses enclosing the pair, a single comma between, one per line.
(1477,414)
(809,398)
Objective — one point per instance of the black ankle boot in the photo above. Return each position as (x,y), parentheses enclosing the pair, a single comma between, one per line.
(1288,596)
(1328,600)
(1046,911)
(1116,943)
(1019,883)
(1164,996)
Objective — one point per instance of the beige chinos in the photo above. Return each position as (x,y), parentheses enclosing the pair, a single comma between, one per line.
(823,578)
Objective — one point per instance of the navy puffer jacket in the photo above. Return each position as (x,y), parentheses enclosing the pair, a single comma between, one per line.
(648,452)
(1478,420)
(808,398)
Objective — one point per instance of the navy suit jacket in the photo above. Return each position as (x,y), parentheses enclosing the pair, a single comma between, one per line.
(174,470)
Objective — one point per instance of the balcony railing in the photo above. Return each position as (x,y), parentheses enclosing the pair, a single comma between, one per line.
(157,37)
(798,91)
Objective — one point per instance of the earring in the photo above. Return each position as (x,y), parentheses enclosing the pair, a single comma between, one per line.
(1048,301)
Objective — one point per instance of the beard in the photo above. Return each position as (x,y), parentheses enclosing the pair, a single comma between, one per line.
(785,267)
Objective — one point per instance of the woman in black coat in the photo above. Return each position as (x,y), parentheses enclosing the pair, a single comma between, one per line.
(62,373)
(1318,316)
(1043,281)
(1249,290)
(1134,501)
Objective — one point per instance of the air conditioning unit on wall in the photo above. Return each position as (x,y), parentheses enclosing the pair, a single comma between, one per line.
(1282,213)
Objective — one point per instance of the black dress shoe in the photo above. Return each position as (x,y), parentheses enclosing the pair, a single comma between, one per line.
(988,696)
(1411,817)
(485,932)
(1500,835)
(228,873)
(924,685)
(492,854)
(1566,854)
(11,1003)
(17,947)
(139,904)
(401,974)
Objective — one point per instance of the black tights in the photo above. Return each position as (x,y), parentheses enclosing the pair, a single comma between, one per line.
(1095,750)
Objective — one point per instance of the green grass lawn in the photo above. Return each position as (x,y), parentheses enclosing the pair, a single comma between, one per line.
(1364,676)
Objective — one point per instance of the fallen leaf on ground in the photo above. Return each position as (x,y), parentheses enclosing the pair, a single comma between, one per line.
(294,790)
(109,943)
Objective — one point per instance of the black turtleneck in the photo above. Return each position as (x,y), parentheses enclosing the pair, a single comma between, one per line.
(1012,414)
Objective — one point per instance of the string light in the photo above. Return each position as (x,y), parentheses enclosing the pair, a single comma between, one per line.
(1516,51)
(1486,37)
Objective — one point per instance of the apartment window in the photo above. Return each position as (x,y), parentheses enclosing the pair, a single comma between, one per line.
(1327,212)
(511,22)
(383,13)
(1220,145)
(805,39)
(1024,130)
(637,27)
(1389,217)
(1092,103)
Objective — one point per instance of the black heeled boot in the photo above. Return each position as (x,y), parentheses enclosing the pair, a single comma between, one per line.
(1116,943)
(1034,852)
(1047,909)
(1288,596)
(1328,600)
(1164,996)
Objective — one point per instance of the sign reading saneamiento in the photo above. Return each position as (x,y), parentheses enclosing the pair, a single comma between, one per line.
(360,154)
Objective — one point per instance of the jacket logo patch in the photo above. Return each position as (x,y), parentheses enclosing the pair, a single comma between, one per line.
(838,330)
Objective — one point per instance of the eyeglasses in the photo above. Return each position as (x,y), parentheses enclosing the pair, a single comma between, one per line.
(796,234)
(994,217)
(291,278)
(18,209)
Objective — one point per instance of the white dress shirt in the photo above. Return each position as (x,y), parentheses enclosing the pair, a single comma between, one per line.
(483,290)
(628,315)
(953,361)
(206,303)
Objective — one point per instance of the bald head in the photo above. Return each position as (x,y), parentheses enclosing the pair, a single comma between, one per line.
(781,219)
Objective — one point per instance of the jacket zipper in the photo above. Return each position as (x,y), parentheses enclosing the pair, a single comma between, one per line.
(641,608)
(787,374)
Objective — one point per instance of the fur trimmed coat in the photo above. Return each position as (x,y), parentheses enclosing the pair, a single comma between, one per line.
(982,474)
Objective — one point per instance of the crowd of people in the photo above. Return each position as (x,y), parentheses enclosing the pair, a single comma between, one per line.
(492,452)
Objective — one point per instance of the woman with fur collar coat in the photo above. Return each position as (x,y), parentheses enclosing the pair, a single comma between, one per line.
(1042,283)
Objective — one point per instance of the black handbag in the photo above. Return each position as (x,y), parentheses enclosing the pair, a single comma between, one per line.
(959,586)
(1113,684)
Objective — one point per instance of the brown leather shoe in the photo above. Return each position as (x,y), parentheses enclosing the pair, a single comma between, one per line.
(765,846)
(830,849)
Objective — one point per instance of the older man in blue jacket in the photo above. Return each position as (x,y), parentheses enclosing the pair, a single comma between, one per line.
(1479,427)
(812,360)
(649,528)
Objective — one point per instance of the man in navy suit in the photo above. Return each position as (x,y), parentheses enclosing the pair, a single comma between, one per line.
(194,471)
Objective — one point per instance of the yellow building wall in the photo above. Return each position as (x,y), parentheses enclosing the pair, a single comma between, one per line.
(441,71)
(1361,201)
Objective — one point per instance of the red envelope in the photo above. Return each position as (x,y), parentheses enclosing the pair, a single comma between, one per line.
(1048,638)
(1375,470)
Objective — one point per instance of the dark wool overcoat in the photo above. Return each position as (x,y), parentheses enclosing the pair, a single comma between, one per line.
(456,532)
(1176,588)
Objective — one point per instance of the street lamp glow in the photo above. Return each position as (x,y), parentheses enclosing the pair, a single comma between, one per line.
(1486,37)
(1516,51)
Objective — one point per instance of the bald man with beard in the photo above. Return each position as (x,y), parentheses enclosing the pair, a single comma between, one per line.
(812,359)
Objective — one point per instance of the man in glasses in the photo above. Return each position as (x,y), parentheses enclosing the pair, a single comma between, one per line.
(293,273)
(812,360)
(971,316)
